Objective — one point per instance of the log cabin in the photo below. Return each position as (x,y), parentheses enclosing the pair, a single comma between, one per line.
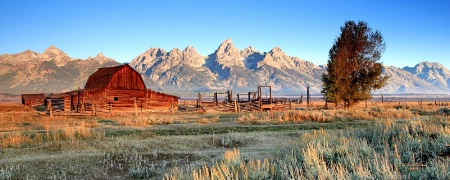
(118,88)
(32,100)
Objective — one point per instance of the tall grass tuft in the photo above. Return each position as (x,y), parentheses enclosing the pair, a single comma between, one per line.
(299,116)
(140,120)
(415,148)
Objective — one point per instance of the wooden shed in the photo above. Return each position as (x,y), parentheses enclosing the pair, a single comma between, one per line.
(33,100)
(118,88)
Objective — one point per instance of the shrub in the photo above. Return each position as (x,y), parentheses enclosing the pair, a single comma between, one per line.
(388,150)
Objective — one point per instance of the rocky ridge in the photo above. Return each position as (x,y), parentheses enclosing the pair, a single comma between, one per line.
(186,71)
(229,68)
(51,71)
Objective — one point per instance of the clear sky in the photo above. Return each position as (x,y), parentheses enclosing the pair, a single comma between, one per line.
(414,30)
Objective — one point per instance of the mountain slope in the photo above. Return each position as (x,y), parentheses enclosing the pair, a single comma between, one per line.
(52,71)
(186,71)
(402,82)
(242,71)
(431,72)
(228,68)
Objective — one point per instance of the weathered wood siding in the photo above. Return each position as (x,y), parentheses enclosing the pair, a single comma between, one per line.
(126,78)
(67,104)
(161,101)
(123,100)
(33,102)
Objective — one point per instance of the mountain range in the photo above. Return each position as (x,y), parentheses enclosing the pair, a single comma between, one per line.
(186,71)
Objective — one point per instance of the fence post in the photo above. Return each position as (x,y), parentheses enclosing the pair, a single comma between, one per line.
(83,108)
(199,100)
(307,96)
(135,106)
(49,107)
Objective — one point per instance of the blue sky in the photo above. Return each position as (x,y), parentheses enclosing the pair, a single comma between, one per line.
(414,30)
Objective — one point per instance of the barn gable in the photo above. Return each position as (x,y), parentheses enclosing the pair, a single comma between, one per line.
(119,77)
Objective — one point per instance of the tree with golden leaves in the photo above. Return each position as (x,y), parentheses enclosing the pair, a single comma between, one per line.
(353,67)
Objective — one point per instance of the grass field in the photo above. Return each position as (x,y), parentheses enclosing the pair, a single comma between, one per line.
(382,141)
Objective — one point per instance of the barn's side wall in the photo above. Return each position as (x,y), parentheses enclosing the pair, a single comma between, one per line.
(34,102)
(161,101)
(122,100)
(67,104)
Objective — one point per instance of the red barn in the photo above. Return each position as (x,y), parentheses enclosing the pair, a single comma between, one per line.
(118,88)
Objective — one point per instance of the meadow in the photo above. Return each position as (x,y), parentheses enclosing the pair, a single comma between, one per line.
(382,141)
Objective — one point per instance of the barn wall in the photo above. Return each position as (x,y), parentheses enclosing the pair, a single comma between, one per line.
(123,100)
(127,78)
(67,104)
(91,99)
(34,102)
(161,101)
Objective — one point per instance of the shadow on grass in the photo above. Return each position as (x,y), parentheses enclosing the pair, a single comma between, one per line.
(183,130)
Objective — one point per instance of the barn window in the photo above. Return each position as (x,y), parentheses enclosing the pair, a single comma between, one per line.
(116,98)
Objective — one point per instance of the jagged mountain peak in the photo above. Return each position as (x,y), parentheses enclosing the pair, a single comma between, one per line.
(53,50)
(192,58)
(27,55)
(226,56)
(227,47)
(175,52)
(403,81)
(28,51)
(228,41)
(427,64)
(249,49)
(52,71)
(432,72)
(278,59)
(276,51)
(100,55)
(156,52)
(425,67)
(54,54)
(52,47)
(189,50)
(100,58)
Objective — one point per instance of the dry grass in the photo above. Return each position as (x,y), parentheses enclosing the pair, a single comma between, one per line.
(127,146)
(77,131)
(295,116)
(14,107)
(416,149)
(214,119)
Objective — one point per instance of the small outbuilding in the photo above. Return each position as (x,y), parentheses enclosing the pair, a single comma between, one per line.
(32,100)
(119,88)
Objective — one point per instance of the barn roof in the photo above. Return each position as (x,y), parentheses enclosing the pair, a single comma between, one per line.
(33,96)
(101,78)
